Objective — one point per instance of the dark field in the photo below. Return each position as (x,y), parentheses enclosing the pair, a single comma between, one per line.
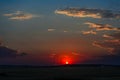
(68,72)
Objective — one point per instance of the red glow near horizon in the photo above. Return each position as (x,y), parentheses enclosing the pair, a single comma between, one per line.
(67,60)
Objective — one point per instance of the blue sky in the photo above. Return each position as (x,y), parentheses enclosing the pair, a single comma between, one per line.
(37,27)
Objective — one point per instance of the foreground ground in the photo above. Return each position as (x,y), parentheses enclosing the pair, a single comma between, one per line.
(69,72)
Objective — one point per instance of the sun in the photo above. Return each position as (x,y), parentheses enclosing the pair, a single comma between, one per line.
(66,58)
(66,62)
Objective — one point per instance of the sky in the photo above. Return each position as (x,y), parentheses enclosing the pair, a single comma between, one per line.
(53,32)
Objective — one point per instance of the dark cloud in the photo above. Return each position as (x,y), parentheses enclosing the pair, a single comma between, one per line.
(87,12)
(7,52)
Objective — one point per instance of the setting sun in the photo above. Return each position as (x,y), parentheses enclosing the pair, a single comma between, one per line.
(66,62)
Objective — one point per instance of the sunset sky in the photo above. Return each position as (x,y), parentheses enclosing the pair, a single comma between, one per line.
(51,32)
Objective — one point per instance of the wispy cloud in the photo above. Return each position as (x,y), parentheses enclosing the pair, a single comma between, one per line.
(75,53)
(65,31)
(89,32)
(20,15)
(50,30)
(87,12)
(115,41)
(103,45)
(101,27)
(114,38)
(107,36)
(116,35)
(111,43)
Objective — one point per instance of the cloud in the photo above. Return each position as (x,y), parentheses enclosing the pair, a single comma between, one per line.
(73,12)
(75,53)
(103,46)
(50,30)
(65,31)
(107,36)
(11,14)
(20,15)
(8,53)
(87,12)
(116,35)
(89,32)
(112,46)
(102,27)
(115,41)
(111,43)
